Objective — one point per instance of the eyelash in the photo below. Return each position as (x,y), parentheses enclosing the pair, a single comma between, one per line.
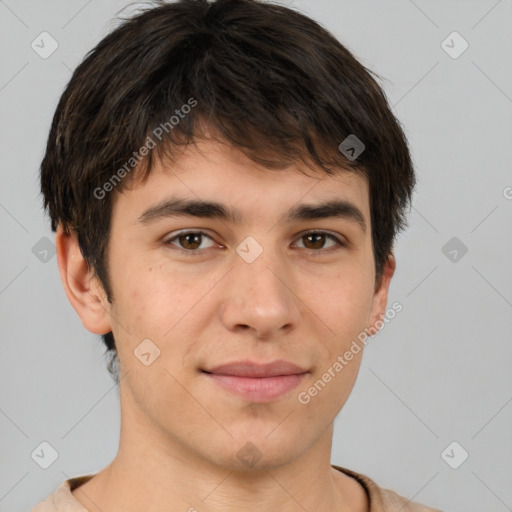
(198,252)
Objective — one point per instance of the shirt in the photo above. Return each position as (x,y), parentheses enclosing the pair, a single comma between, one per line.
(380,499)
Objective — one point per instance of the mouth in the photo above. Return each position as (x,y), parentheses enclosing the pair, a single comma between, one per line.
(255,382)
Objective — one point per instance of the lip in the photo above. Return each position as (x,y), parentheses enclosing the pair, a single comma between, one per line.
(258,389)
(257,382)
(253,369)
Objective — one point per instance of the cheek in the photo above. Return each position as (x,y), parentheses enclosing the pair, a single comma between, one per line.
(137,299)
(158,302)
(342,301)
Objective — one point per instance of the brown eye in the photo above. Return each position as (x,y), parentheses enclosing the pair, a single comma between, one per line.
(315,240)
(189,241)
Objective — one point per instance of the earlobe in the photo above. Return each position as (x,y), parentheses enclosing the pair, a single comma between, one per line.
(380,298)
(82,289)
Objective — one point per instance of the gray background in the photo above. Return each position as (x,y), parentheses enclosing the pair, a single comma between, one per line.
(439,372)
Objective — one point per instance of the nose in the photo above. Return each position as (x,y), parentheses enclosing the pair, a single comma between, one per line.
(260,297)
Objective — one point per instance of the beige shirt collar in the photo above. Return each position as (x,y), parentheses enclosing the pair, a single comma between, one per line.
(380,499)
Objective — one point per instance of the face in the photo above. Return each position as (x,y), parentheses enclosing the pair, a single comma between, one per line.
(198,290)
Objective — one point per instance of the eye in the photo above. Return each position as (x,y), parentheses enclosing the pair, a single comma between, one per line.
(189,241)
(316,240)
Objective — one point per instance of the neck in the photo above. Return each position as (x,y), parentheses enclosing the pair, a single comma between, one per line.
(154,471)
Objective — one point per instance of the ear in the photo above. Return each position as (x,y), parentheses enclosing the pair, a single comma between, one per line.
(380,298)
(83,290)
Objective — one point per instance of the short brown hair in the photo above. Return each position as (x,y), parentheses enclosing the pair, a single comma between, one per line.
(265,78)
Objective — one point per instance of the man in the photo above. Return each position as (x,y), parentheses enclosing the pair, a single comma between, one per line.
(226,181)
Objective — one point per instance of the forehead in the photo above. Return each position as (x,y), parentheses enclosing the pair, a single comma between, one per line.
(213,171)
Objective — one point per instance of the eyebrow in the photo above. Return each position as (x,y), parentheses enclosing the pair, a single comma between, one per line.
(176,207)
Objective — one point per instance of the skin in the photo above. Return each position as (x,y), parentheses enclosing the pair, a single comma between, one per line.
(180,432)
